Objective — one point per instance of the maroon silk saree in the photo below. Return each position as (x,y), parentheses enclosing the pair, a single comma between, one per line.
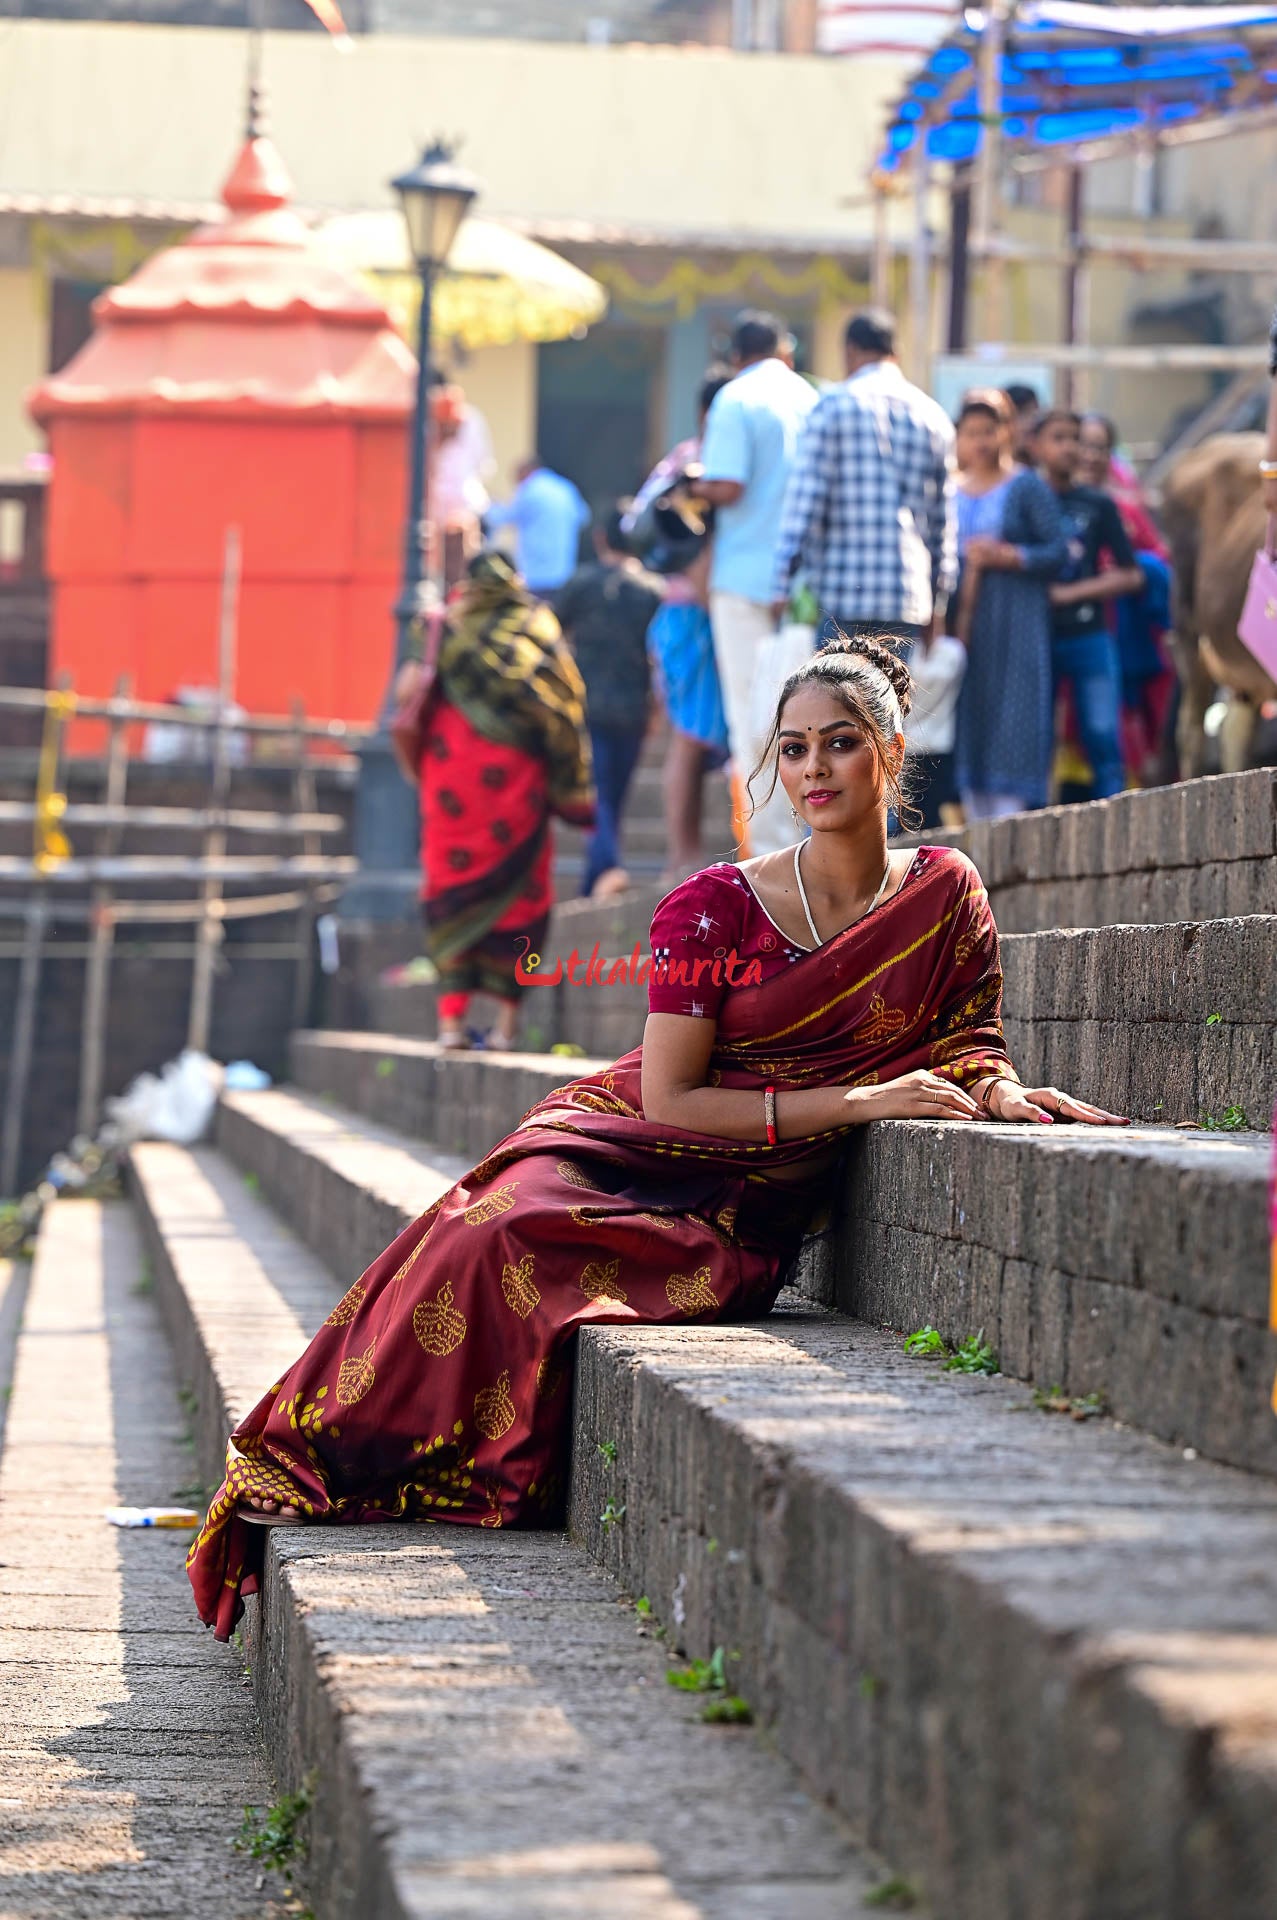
(439,1387)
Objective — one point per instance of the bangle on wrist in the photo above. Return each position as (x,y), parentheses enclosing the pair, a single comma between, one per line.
(1268,469)
(769,1114)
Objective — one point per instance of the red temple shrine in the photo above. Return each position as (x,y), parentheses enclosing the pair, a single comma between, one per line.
(237,379)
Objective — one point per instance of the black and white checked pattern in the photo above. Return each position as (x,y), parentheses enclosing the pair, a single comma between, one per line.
(869,511)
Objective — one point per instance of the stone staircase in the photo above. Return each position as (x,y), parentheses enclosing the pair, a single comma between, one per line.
(1010,1641)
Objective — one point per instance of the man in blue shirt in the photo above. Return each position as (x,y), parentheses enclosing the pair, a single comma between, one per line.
(547,514)
(751,436)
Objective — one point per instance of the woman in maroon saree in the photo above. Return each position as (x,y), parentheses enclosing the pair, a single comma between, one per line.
(674,1186)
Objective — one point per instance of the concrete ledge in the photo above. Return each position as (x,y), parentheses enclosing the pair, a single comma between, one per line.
(345,1185)
(462,1102)
(1033,1661)
(1132,1264)
(214,1249)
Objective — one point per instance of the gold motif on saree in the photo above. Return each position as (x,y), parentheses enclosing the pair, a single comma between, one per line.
(883,1022)
(492,1494)
(549,1378)
(494,1410)
(439,1326)
(598,1102)
(403,1272)
(726,1219)
(575,1176)
(968,941)
(692,1293)
(599,1281)
(355,1375)
(586,1216)
(492,1206)
(486,1168)
(516,1285)
(348,1306)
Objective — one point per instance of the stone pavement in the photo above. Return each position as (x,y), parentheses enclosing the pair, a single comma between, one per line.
(128,1741)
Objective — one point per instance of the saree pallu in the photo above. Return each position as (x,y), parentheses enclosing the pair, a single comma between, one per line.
(439,1388)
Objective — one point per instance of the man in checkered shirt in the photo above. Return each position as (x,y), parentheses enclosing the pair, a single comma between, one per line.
(869,512)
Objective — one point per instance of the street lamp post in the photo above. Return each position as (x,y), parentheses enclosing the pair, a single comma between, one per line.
(435,196)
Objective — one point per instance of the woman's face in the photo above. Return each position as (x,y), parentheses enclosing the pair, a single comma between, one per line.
(981,442)
(828,767)
(1095,456)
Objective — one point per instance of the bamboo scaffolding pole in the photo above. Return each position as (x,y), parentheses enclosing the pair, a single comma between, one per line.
(26,1004)
(256,906)
(1179,358)
(881,281)
(920,269)
(98,971)
(180,819)
(157,950)
(36,699)
(22,1047)
(304,799)
(1148,251)
(209,937)
(151,867)
(987,195)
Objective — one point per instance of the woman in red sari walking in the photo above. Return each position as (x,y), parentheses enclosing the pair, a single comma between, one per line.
(674,1186)
(504,747)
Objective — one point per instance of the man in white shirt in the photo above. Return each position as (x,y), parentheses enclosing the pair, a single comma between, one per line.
(751,436)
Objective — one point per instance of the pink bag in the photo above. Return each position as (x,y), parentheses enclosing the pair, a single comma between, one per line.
(1257,628)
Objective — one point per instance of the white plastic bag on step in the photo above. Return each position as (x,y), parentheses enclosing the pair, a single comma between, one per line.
(175,1104)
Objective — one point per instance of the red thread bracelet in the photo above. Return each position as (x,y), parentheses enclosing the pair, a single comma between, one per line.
(769,1114)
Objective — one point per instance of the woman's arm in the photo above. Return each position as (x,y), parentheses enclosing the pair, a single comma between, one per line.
(676,1057)
(1270,451)
(1113,585)
(1045,547)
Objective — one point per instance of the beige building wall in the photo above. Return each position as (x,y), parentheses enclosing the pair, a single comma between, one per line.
(502,383)
(23,351)
(677,140)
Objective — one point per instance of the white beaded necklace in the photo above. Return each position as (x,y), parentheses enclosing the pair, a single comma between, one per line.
(802,895)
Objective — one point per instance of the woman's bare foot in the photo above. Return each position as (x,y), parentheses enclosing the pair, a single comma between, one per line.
(265,1513)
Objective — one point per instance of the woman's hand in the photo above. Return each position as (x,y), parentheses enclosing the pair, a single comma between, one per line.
(984,551)
(916,1096)
(1007,1100)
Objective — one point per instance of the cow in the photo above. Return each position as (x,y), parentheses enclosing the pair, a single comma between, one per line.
(1213,515)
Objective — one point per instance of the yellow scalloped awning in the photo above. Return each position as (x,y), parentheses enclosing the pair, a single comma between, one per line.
(498,286)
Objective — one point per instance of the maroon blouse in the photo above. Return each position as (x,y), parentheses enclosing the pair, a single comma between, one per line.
(714,915)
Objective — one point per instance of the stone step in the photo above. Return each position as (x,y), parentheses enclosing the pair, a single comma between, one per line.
(1201,850)
(1033,1658)
(482,1718)
(1167,1023)
(1132,1264)
(128,1749)
(1030,1658)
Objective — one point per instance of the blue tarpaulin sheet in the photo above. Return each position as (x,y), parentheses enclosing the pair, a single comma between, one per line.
(1073,72)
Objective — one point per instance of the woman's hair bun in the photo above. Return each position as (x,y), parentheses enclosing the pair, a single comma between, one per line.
(881,656)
